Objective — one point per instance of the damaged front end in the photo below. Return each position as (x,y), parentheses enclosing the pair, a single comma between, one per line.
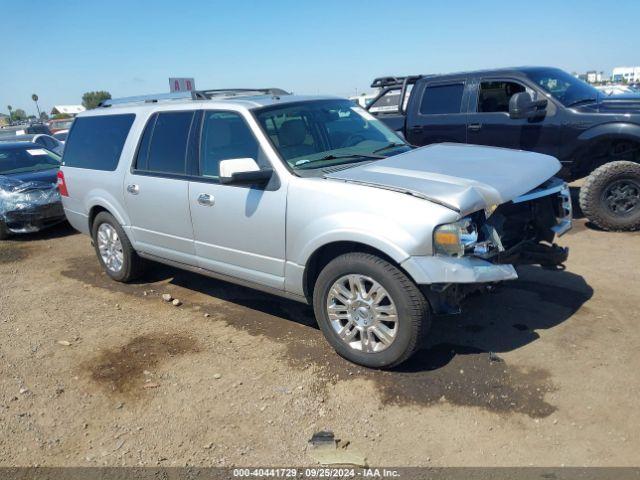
(29,206)
(519,232)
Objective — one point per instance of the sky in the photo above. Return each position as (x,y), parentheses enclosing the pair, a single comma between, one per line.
(60,49)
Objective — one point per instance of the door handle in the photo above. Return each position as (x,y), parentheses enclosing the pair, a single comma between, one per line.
(206,200)
(133,189)
(474,127)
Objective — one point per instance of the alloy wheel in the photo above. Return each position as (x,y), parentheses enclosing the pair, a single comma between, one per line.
(110,248)
(362,313)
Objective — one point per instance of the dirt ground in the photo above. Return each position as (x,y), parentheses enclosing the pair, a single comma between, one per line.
(544,371)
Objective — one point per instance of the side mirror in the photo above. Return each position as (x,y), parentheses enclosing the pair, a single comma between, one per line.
(521,105)
(243,171)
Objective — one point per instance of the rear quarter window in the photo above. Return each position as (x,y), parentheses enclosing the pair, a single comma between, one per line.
(96,142)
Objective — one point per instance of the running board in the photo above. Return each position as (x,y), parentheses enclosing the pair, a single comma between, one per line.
(225,278)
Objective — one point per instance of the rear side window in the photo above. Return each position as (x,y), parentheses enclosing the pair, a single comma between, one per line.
(96,142)
(163,147)
(438,99)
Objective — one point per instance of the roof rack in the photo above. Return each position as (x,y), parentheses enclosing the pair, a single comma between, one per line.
(194,95)
(234,92)
(384,82)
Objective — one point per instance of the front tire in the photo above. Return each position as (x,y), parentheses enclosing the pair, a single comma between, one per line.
(610,196)
(115,253)
(369,311)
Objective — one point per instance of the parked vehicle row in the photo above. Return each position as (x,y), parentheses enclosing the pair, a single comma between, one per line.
(378,236)
(544,110)
(47,141)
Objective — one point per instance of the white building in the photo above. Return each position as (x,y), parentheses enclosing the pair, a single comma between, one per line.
(68,109)
(626,74)
(594,77)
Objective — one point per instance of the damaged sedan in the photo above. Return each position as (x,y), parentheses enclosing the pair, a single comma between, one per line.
(29,198)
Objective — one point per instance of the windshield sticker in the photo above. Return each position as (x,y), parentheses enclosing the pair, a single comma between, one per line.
(36,151)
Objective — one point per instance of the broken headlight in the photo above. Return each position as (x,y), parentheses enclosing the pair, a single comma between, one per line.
(452,239)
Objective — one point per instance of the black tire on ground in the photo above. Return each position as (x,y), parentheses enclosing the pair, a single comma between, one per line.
(414,315)
(597,184)
(133,265)
(4,233)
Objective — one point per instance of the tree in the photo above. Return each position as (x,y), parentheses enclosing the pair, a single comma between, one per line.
(92,99)
(61,115)
(19,114)
(43,116)
(34,97)
(9,107)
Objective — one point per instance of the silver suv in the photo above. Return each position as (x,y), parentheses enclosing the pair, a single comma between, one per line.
(313,199)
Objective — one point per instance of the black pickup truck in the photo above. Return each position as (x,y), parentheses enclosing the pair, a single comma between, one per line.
(541,109)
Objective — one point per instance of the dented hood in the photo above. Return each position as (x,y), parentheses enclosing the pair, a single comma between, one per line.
(464,178)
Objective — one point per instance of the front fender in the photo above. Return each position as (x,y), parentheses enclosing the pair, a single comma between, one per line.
(622,130)
(350,235)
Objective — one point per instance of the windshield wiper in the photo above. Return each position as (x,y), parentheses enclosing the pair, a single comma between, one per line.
(338,157)
(584,100)
(390,145)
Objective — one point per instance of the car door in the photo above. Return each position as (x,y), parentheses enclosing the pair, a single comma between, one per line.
(239,231)
(157,190)
(489,122)
(437,112)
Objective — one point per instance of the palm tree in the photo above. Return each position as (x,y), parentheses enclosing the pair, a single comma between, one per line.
(34,97)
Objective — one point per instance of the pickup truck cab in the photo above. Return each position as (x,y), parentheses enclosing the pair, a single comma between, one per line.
(539,109)
(313,199)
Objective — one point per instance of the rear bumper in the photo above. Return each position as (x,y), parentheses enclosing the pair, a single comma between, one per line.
(79,221)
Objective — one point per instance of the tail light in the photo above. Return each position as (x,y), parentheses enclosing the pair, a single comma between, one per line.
(62,186)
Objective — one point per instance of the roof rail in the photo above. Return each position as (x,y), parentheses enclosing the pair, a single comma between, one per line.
(194,95)
(234,92)
(383,82)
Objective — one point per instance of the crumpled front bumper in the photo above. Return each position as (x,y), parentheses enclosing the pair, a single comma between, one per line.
(29,206)
(439,269)
(34,219)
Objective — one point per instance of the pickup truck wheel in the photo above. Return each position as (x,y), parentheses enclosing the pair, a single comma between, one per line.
(610,196)
(4,233)
(369,310)
(115,253)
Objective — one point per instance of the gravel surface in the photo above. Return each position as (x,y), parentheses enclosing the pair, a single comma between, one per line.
(544,371)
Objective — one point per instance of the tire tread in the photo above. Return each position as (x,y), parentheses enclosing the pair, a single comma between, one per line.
(589,193)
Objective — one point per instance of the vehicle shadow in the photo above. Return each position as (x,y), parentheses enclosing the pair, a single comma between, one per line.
(60,230)
(504,320)
(241,296)
(501,321)
(460,361)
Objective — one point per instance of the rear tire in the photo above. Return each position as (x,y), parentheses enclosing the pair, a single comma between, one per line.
(387,341)
(610,196)
(114,250)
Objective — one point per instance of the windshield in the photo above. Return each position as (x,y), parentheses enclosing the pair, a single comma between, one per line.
(564,87)
(26,159)
(327,132)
